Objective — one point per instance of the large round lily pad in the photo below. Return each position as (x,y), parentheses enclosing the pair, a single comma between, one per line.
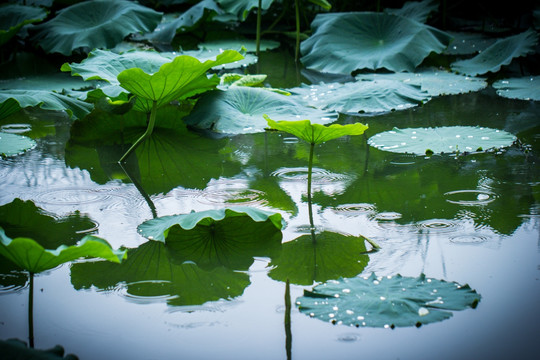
(525,88)
(94,24)
(447,139)
(386,302)
(240,110)
(344,42)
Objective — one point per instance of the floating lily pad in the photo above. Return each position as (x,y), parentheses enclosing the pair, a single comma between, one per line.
(238,44)
(387,301)
(344,42)
(13,17)
(151,272)
(240,110)
(14,144)
(468,43)
(94,24)
(31,256)
(502,52)
(434,82)
(448,139)
(12,101)
(416,10)
(525,88)
(332,256)
(370,96)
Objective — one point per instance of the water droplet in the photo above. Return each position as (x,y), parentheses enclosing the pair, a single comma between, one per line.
(423,311)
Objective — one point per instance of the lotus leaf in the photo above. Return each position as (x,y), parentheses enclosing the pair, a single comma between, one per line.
(434,82)
(241,8)
(370,96)
(386,301)
(416,10)
(502,52)
(238,44)
(158,229)
(12,101)
(316,133)
(151,271)
(444,140)
(183,77)
(465,43)
(204,55)
(240,110)
(31,256)
(525,88)
(172,23)
(216,238)
(14,144)
(375,41)
(94,24)
(13,17)
(332,256)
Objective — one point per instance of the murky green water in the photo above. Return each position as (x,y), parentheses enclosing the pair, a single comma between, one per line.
(473,219)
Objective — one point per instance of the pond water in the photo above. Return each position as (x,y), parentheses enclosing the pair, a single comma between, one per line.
(472,219)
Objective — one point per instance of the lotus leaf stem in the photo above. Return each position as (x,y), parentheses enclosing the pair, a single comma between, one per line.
(288,333)
(258,40)
(297,14)
(146,134)
(310,170)
(31,310)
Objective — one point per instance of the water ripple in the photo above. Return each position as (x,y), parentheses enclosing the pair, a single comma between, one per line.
(470,197)
(318,176)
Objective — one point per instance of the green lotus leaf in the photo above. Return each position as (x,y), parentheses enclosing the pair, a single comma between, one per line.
(386,301)
(241,8)
(502,52)
(316,133)
(204,55)
(173,23)
(158,229)
(150,271)
(240,110)
(525,88)
(444,140)
(216,238)
(184,76)
(370,96)
(13,17)
(344,42)
(52,82)
(332,256)
(465,43)
(31,256)
(238,44)
(14,144)
(416,10)
(434,82)
(12,101)
(94,24)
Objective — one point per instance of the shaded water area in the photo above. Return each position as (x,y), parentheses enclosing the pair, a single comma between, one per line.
(471,218)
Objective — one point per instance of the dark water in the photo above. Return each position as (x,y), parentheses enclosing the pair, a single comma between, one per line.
(473,219)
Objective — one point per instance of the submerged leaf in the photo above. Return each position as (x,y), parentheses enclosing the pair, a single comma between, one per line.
(94,24)
(387,301)
(14,144)
(448,139)
(151,272)
(31,256)
(315,133)
(525,88)
(344,42)
(500,53)
(240,110)
(332,256)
